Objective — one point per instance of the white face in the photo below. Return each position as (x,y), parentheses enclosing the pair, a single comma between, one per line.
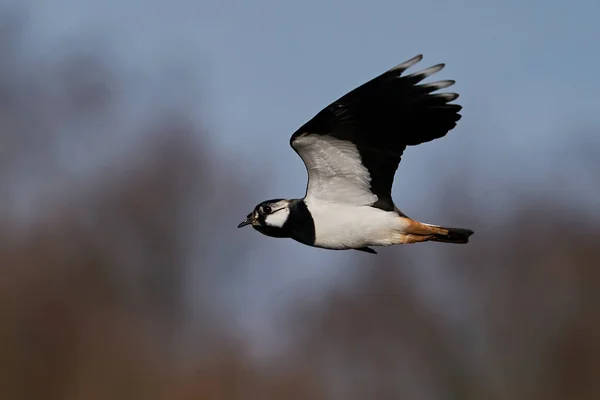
(278,214)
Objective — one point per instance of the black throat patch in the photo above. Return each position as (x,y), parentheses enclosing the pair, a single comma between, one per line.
(300,225)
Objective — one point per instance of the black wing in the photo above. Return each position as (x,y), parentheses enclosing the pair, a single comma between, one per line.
(380,118)
(367,250)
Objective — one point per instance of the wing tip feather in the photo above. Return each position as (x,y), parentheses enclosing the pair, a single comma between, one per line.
(433,86)
(420,75)
(403,66)
(448,97)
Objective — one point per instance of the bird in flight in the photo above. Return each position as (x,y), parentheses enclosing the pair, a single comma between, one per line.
(351,150)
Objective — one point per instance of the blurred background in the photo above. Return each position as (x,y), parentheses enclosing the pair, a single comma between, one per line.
(135,135)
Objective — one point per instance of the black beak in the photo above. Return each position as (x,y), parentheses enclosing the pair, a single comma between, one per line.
(247,221)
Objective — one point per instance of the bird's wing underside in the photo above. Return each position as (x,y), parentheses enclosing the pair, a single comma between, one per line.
(352,148)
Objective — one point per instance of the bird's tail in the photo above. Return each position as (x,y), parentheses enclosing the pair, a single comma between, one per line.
(452,235)
(419,232)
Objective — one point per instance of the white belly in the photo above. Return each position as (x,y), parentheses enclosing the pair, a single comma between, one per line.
(343,226)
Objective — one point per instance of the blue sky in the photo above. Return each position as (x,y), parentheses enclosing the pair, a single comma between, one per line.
(526,72)
(523,69)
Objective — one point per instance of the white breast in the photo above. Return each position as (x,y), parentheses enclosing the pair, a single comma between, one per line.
(344,226)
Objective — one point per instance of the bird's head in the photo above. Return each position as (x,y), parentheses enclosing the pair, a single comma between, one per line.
(269,217)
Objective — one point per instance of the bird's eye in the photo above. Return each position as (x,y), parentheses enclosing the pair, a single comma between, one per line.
(267,209)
